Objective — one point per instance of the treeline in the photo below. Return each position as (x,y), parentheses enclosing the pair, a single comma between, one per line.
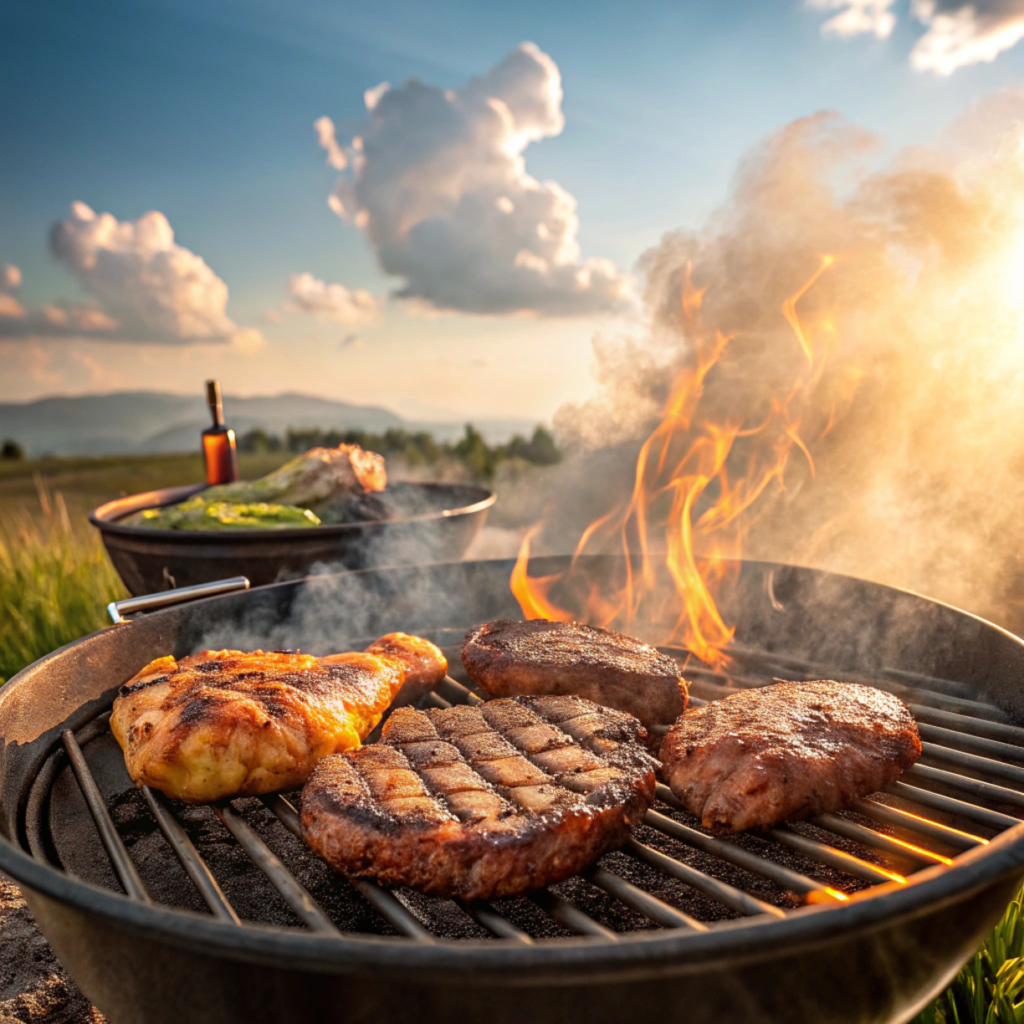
(416,448)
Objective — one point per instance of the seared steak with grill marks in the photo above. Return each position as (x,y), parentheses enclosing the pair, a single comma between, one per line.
(787,751)
(483,801)
(230,723)
(507,658)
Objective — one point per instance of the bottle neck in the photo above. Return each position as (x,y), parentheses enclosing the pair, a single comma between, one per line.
(217,412)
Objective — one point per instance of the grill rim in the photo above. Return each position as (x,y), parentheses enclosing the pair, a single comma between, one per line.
(925,891)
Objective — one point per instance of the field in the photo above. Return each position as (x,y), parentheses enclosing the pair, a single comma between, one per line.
(55,583)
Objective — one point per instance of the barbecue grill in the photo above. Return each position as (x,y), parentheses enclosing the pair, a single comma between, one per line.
(164,912)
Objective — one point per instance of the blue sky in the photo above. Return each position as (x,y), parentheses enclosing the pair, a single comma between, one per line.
(204,111)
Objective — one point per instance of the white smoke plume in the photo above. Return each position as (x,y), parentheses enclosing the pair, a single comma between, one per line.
(917,424)
(438,183)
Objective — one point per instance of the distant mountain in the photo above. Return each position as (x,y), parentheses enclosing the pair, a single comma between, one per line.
(154,421)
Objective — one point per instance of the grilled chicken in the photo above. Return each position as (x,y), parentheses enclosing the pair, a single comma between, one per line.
(482,801)
(229,723)
(787,751)
(507,658)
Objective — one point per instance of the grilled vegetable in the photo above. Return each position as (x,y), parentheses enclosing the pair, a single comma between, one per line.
(199,514)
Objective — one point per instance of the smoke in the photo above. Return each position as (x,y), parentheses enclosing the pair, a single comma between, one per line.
(916,425)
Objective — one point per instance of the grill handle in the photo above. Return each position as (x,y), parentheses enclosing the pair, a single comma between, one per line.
(119,610)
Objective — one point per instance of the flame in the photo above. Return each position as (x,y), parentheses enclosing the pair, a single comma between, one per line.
(532,593)
(687,496)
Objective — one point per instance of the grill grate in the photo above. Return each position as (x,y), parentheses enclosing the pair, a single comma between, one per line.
(966,743)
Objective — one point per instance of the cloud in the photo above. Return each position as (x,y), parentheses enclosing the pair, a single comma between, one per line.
(333,302)
(147,288)
(10,277)
(857,16)
(962,33)
(959,32)
(324,128)
(437,182)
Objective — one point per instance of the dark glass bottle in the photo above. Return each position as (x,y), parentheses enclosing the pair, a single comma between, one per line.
(219,452)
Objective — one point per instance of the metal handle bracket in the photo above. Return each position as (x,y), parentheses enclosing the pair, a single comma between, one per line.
(120,610)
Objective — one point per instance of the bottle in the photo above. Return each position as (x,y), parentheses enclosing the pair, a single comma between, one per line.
(219,452)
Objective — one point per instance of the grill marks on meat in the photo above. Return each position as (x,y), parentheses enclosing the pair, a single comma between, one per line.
(507,658)
(475,802)
(229,723)
(787,751)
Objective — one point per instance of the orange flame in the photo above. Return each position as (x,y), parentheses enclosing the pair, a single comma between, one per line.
(685,478)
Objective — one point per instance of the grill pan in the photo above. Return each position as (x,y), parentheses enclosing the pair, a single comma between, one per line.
(443,519)
(166,913)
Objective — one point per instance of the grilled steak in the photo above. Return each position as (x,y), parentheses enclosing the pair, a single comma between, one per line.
(229,723)
(787,751)
(482,801)
(540,656)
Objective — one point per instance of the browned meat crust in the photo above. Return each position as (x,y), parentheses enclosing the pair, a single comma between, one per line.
(230,723)
(507,658)
(787,751)
(482,801)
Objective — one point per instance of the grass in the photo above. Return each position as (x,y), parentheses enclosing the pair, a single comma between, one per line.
(990,986)
(55,583)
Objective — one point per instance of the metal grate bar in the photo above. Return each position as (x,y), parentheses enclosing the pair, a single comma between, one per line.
(915,823)
(458,693)
(483,913)
(737,855)
(194,865)
(726,894)
(435,700)
(924,696)
(394,912)
(570,916)
(986,765)
(834,858)
(917,679)
(984,790)
(966,724)
(112,841)
(635,897)
(973,744)
(291,890)
(868,837)
(950,805)
(965,708)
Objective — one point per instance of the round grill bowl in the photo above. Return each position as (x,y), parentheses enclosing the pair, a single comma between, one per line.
(448,517)
(878,957)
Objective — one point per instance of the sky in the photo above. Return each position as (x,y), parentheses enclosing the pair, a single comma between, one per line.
(208,188)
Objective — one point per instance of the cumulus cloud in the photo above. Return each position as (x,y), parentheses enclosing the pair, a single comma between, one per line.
(156,289)
(436,180)
(48,320)
(958,32)
(857,16)
(146,287)
(10,277)
(962,33)
(331,302)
